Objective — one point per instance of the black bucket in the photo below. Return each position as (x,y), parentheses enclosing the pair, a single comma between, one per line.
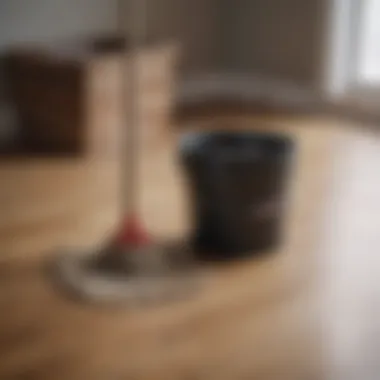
(238,183)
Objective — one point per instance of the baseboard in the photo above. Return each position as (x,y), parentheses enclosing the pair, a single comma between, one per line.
(246,88)
(232,88)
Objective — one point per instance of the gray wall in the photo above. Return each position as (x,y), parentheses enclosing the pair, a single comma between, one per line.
(194,24)
(279,38)
(36,20)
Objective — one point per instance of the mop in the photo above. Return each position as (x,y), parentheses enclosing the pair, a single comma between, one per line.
(131,267)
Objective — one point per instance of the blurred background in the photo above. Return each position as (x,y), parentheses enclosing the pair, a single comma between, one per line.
(291,53)
(308,69)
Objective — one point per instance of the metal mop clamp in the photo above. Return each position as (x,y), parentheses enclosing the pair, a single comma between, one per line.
(131,267)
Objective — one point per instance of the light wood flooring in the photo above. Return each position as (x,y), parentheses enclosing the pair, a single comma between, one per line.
(309,311)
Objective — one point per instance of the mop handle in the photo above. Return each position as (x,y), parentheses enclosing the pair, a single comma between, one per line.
(131,98)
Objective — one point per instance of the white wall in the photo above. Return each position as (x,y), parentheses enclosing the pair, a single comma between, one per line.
(368,70)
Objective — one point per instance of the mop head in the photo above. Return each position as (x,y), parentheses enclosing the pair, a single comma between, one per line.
(146,274)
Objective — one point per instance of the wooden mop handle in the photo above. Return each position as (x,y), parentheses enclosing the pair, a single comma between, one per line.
(135,36)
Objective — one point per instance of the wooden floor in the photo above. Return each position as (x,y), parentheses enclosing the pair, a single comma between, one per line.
(310,311)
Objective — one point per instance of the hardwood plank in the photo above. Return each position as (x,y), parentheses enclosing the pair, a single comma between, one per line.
(277,317)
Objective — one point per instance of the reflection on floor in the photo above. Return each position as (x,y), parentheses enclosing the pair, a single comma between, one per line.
(308,311)
(351,261)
